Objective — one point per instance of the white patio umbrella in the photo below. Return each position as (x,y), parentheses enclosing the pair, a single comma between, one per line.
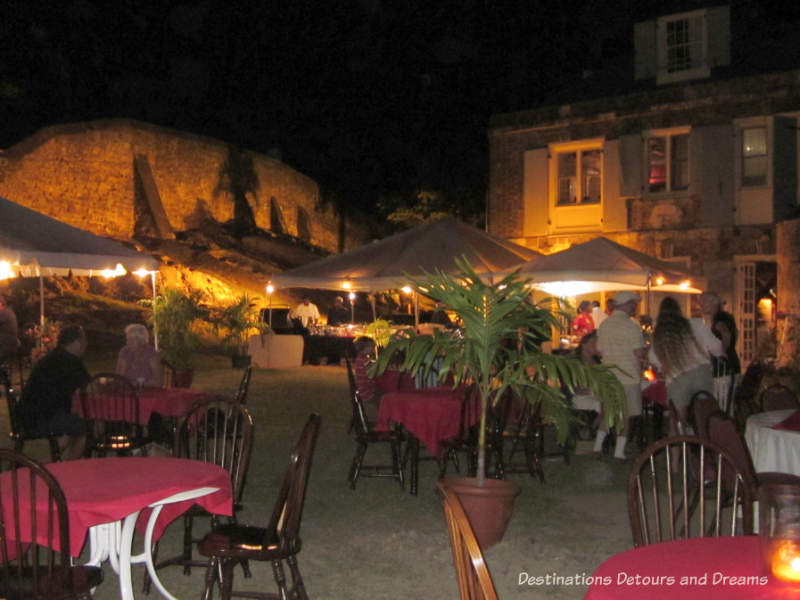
(35,245)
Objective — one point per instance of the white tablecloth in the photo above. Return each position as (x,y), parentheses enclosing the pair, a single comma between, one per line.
(773,449)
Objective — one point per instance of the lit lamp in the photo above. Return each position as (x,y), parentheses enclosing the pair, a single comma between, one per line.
(779,528)
(352,297)
(270,289)
(143,273)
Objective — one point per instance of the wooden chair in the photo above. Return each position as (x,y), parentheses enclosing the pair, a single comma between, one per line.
(214,431)
(745,395)
(278,542)
(18,435)
(244,386)
(34,544)
(778,397)
(365,435)
(111,409)
(702,405)
(669,474)
(474,579)
(521,431)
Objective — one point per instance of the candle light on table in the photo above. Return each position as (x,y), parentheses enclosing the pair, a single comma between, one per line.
(785,563)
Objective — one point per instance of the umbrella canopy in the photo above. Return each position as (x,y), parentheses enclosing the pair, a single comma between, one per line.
(388,263)
(601,264)
(35,244)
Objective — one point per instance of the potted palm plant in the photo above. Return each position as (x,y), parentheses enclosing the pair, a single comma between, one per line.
(174,316)
(499,347)
(238,321)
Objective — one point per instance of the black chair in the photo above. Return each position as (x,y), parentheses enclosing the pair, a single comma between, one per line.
(214,431)
(111,409)
(676,472)
(702,405)
(365,435)
(34,557)
(18,435)
(518,427)
(244,386)
(279,541)
(778,397)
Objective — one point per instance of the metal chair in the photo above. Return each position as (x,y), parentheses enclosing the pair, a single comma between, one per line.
(18,435)
(34,544)
(474,580)
(670,474)
(111,409)
(215,431)
(277,543)
(244,386)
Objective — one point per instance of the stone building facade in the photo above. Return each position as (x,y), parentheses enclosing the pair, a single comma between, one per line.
(115,177)
(695,169)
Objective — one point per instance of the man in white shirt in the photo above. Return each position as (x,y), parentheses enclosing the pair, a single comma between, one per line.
(620,342)
(306,311)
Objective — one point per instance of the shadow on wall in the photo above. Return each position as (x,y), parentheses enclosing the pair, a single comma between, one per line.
(238,178)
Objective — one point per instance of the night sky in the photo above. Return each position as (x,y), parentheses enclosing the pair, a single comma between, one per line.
(375,100)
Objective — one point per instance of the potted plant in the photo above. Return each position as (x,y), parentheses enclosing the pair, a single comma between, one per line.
(499,347)
(174,316)
(237,321)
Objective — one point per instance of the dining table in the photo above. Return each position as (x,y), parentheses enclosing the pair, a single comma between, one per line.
(711,568)
(430,416)
(169,402)
(110,498)
(773,439)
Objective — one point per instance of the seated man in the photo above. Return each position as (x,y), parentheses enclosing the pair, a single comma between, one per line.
(46,404)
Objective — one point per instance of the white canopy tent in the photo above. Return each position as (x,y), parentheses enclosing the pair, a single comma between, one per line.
(35,245)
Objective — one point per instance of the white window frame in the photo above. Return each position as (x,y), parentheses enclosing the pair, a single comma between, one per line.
(701,64)
(742,158)
(668,134)
(577,148)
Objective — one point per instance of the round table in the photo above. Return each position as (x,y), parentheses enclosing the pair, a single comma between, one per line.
(717,568)
(773,449)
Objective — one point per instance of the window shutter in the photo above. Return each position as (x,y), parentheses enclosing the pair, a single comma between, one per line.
(719,36)
(630,158)
(535,196)
(785,166)
(644,39)
(712,152)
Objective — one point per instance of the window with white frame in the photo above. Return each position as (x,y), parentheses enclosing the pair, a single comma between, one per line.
(667,161)
(579,177)
(683,46)
(754,156)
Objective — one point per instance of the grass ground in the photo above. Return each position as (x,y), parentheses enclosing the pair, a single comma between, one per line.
(379,542)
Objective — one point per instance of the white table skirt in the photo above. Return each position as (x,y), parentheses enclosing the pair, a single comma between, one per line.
(773,449)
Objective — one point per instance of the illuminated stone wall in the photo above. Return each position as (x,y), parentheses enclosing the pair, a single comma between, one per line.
(83,174)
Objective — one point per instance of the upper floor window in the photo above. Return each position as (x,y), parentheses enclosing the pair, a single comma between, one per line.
(682,47)
(668,162)
(579,177)
(754,156)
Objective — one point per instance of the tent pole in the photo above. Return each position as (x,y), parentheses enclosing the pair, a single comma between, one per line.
(416,309)
(155,323)
(372,302)
(647,304)
(41,307)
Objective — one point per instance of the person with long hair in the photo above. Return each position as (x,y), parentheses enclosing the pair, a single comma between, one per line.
(680,352)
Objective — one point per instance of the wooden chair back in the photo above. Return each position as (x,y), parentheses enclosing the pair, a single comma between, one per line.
(218,431)
(745,401)
(111,408)
(34,544)
(288,510)
(474,580)
(684,486)
(778,397)
(244,386)
(702,405)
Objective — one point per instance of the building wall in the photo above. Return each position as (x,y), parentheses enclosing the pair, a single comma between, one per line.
(83,174)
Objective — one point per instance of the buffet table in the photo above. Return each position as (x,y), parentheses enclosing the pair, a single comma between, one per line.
(773,449)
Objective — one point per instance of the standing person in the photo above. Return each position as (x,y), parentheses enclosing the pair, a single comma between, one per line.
(138,360)
(307,312)
(723,325)
(46,404)
(583,324)
(620,342)
(681,352)
(338,313)
(9,339)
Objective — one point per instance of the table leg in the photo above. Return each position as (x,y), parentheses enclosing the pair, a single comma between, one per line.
(125,544)
(414,443)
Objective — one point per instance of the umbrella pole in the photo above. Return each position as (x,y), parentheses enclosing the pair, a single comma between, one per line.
(155,323)
(647,301)
(416,309)
(41,305)
(374,312)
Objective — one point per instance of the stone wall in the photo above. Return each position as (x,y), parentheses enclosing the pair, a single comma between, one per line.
(84,175)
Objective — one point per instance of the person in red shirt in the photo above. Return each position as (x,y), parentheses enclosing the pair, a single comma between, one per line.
(583,323)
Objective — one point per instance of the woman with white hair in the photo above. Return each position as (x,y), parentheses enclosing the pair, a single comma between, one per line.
(138,360)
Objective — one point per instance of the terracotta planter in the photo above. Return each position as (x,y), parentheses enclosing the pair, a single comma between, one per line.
(488,507)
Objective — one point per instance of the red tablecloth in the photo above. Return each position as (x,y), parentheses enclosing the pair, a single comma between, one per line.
(655,393)
(171,402)
(432,415)
(104,490)
(726,568)
(790,423)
